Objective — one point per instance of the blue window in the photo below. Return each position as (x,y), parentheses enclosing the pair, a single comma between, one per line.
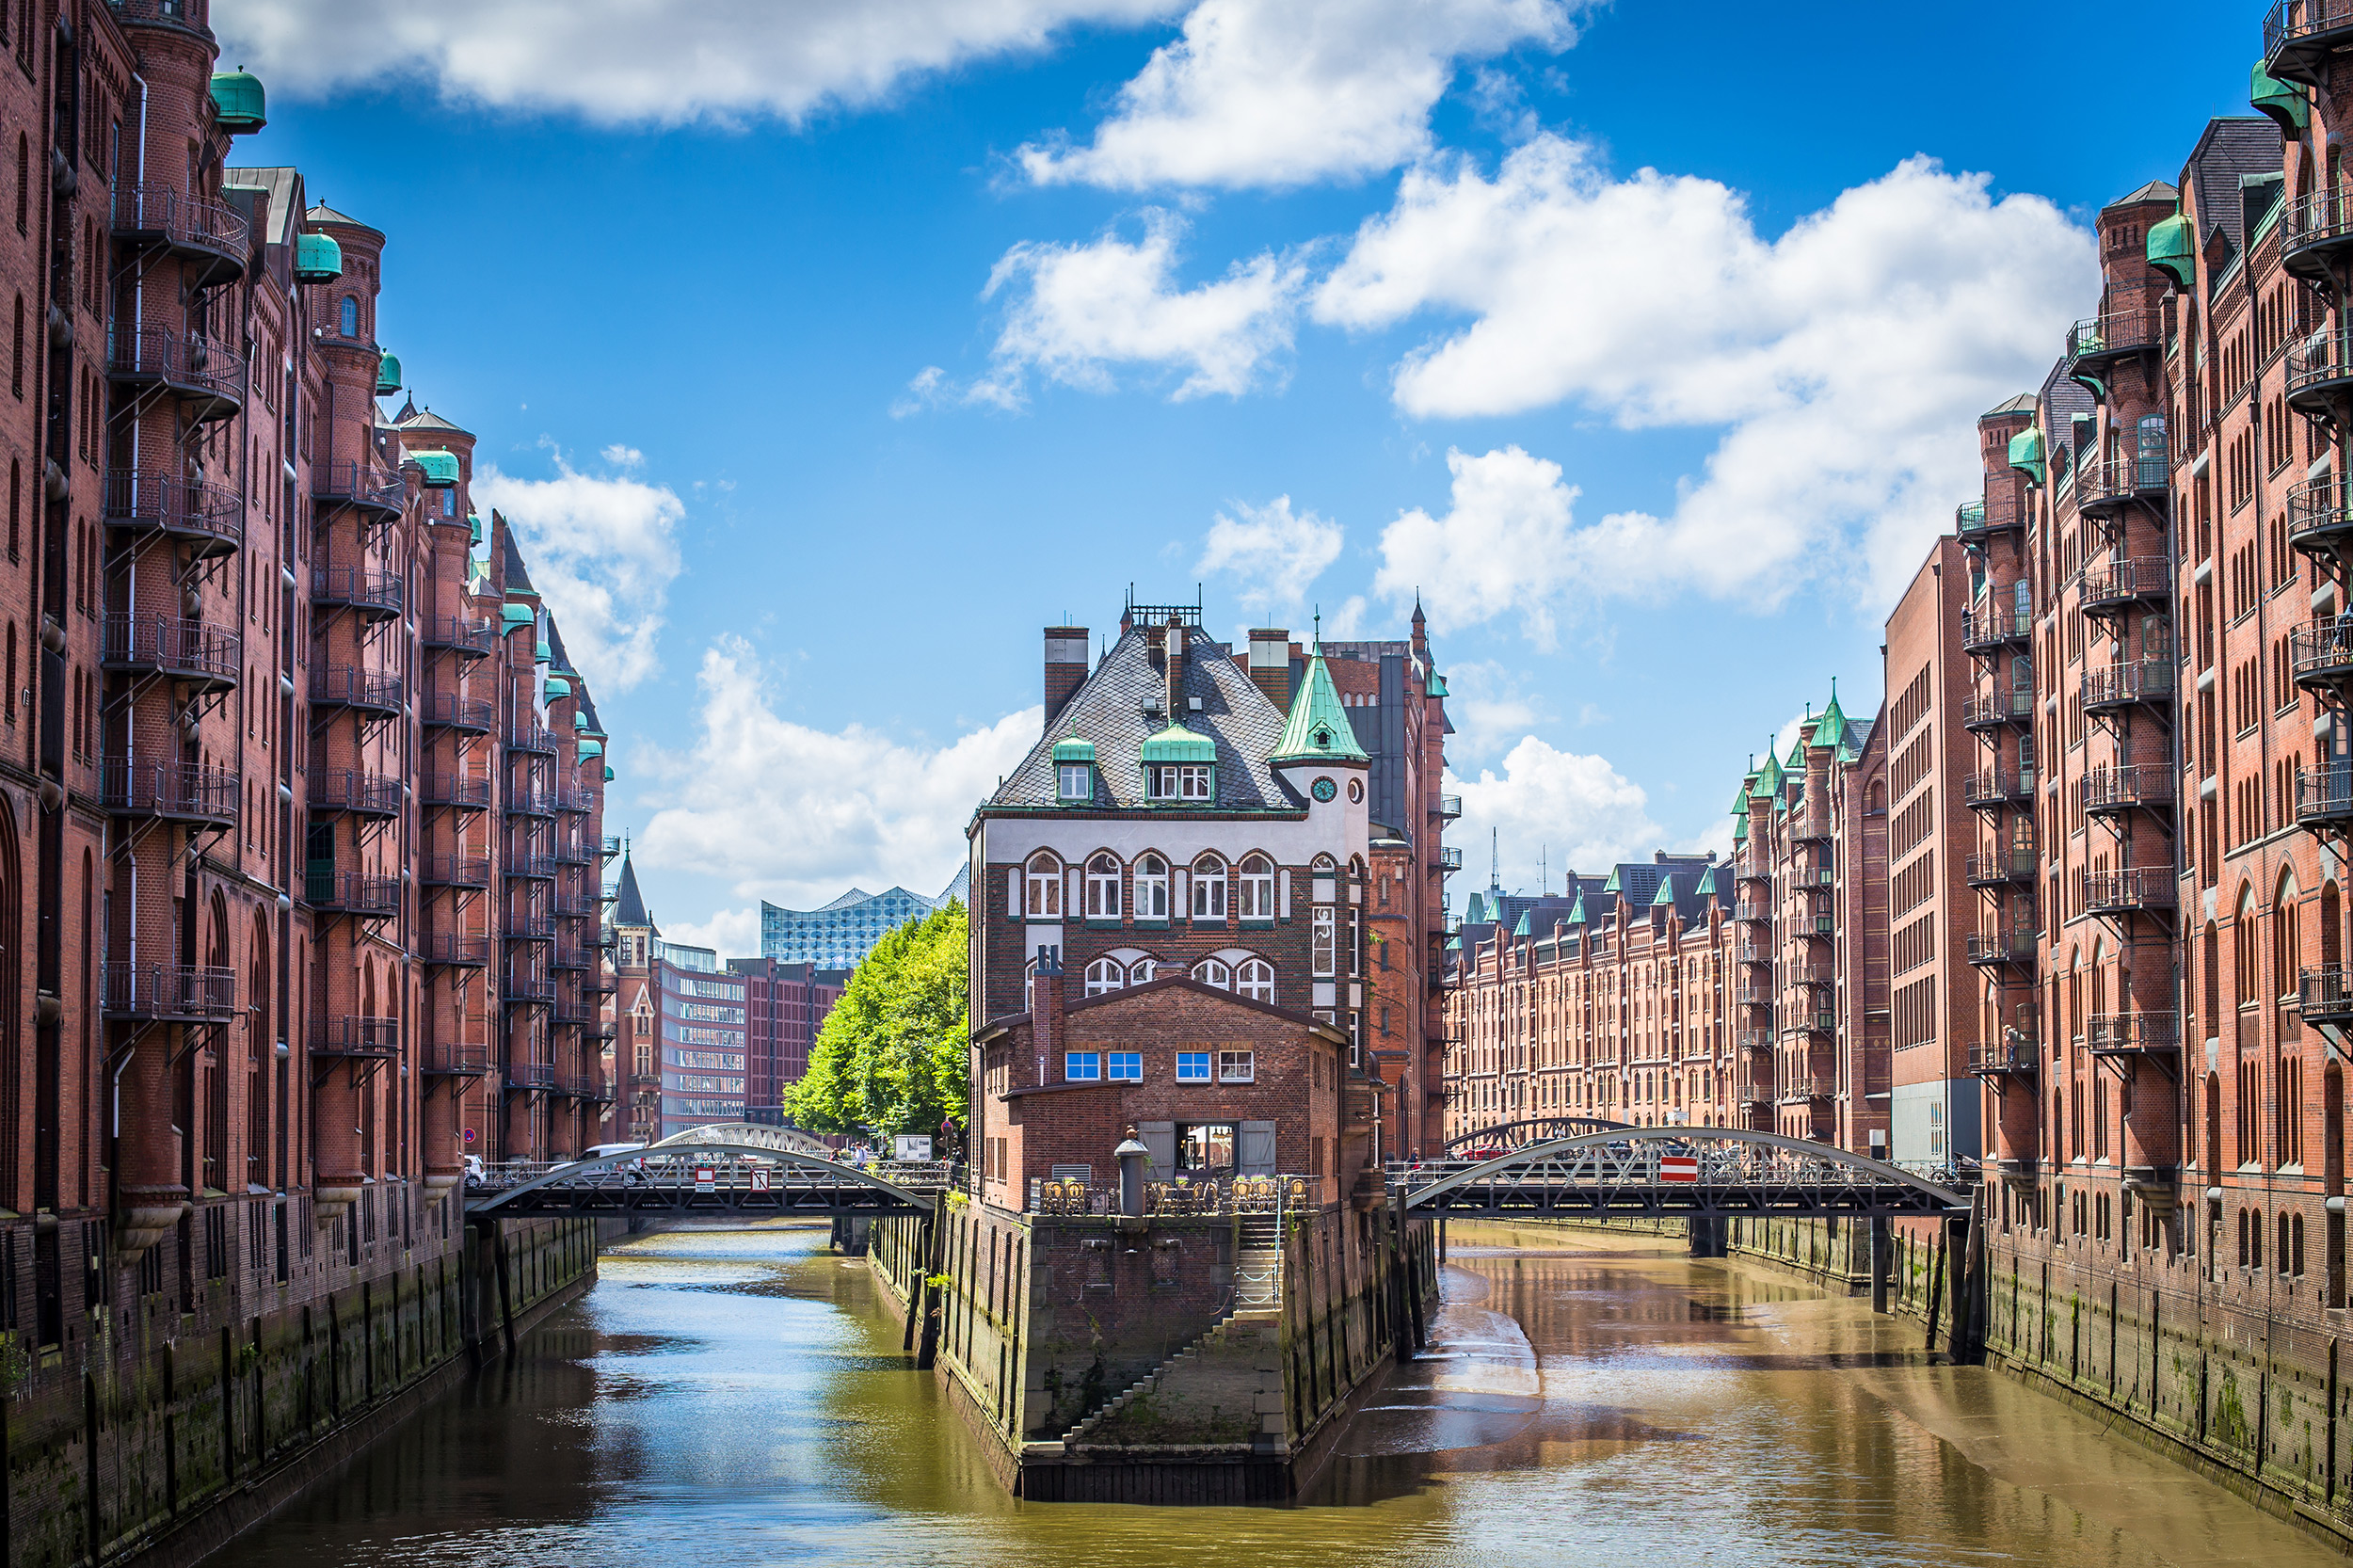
(1128,1065)
(1081,1067)
(1192,1067)
(350,322)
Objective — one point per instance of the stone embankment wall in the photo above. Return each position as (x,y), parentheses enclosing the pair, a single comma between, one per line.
(171,1432)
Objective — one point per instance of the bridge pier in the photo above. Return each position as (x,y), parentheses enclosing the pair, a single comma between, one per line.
(1710,1236)
(1883,1261)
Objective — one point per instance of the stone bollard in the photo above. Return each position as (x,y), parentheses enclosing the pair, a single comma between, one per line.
(1131,1156)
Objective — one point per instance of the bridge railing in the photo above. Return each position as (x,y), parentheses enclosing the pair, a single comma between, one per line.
(747,1171)
(1204,1197)
(1639,1173)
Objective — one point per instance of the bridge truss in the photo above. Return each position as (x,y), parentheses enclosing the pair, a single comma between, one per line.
(726,1169)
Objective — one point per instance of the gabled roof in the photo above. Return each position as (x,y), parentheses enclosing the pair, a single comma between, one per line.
(629,907)
(1109,710)
(511,559)
(283,186)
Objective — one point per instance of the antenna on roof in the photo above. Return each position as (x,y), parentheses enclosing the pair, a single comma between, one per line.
(1495,859)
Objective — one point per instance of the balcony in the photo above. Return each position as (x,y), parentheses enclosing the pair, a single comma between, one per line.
(2014,1057)
(1755,1039)
(1809,827)
(2117,587)
(2131,890)
(1992,710)
(571,958)
(524,801)
(1754,953)
(531,868)
(2095,347)
(455,1061)
(536,738)
(571,854)
(208,517)
(529,926)
(2324,797)
(1754,996)
(1998,787)
(167,993)
(467,638)
(2300,35)
(2324,996)
(1819,976)
(206,377)
(612,845)
(2142,682)
(2111,791)
(2015,945)
(1798,1090)
(599,983)
(2320,373)
(2110,485)
(209,236)
(375,595)
(2133,1034)
(350,484)
(1761,913)
(573,1014)
(1976,522)
(1813,1021)
(365,794)
(356,1037)
(572,906)
(455,870)
(2317,233)
(448,950)
(1987,631)
(462,791)
(468,716)
(577,802)
(2001,868)
(524,1077)
(1448,858)
(370,693)
(2320,518)
(1447,809)
(2321,655)
(207,658)
(173,791)
(372,898)
(529,990)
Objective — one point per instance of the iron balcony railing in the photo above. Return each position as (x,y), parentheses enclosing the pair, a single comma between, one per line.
(1806,1089)
(2321,652)
(1994,627)
(2133,1033)
(207,375)
(367,589)
(2128,889)
(531,1075)
(612,845)
(2325,994)
(536,739)
(1449,858)
(130,989)
(569,957)
(371,795)
(2318,366)
(572,906)
(1755,996)
(182,791)
(1754,953)
(571,854)
(2142,681)
(149,501)
(528,987)
(355,483)
(2014,946)
(347,686)
(535,868)
(2000,866)
(2135,580)
(454,951)
(1979,709)
(184,650)
(1752,911)
(2320,514)
(1998,512)
(2323,219)
(1817,975)
(352,892)
(1997,786)
(2325,795)
(455,870)
(2113,481)
(355,1036)
(461,633)
(454,1059)
(154,211)
(1449,808)
(2142,785)
(529,926)
(2118,332)
(449,710)
(2010,1056)
(1809,827)
(465,790)
(576,801)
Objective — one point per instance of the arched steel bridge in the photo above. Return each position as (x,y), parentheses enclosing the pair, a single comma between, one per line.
(704,1169)
(1538,1129)
(1683,1171)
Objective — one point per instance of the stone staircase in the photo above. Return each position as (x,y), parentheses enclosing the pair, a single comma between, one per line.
(1200,1351)
(1258,1263)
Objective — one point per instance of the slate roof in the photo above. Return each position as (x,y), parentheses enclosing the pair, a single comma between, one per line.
(1108,709)
(281,184)
(629,907)
(517,580)
(322,212)
(2230,149)
(426,419)
(2156,190)
(2023,404)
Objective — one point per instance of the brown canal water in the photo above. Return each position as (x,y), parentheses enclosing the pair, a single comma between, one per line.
(735,1398)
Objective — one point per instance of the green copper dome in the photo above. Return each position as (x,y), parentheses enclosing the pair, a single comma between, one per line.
(2285,101)
(388,375)
(591,748)
(542,654)
(475,519)
(514,616)
(2173,249)
(441,468)
(2026,453)
(558,686)
(317,259)
(1318,729)
(608,776)
(1074,749)
(238,103)
(1178,745)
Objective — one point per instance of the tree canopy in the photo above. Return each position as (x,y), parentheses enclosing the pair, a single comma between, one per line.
(891,1055)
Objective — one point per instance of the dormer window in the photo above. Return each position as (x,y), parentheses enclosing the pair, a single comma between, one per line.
(1077,781)
(1181,781)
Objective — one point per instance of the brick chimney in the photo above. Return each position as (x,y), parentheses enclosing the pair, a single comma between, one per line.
(1065,667)
(1271,664)
(1173,663)
(1045,1000)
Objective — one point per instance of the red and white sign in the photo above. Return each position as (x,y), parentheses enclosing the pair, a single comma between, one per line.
(706,1179)
(1678,1167)
(759,1180)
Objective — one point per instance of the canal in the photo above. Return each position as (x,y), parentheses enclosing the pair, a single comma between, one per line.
(726,1397)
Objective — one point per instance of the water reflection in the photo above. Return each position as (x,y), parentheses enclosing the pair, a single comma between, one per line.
(733,1397)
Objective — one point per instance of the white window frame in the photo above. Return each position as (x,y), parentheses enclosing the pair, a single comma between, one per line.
(1254,978)
(1123,1067)
(1214,972)
(1151,888)
(1196,1067)
(1323,935)
(1041,898)
(1105,974)
(1082,1067)
(1194,781)
(1102,887)
(1254,891)
(1074,780)
(1209,889)
(1237,1066)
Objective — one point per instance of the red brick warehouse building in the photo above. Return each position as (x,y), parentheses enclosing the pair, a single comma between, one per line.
(301,804)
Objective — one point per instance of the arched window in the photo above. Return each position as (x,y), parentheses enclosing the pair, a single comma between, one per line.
(1256,890)
(1103,888)
(1105,974)
(1141,970)
(1043,900)
(1151,888)
(1255,979)
(1209,889)
(1212,972)
(2243,950)
(350,318)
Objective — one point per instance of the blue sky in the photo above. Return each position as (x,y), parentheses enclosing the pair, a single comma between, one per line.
(825,352)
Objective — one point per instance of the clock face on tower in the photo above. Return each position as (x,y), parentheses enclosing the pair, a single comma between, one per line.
(1323,789)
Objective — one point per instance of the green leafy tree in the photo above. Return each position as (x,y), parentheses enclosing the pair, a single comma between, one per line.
(891,1054)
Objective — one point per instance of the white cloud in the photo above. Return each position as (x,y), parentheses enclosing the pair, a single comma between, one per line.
(732,933)
(1077,310)
(1274,552)
(1489,706)
(622,456)
(1506,546)
(603,551)
(1286,92)
(1555,806)
(787,812)
(1845,361)
(663,62)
